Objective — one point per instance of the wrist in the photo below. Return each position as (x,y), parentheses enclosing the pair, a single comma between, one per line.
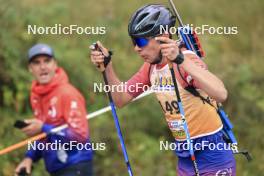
(107,59)
(28,159)
(179,59)
(109,66)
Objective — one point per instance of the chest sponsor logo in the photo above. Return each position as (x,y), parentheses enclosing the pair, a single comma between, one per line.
(52,112)
(36,112)
(74,105)
(35,100)
(163,81)
(175,125)
(74,112)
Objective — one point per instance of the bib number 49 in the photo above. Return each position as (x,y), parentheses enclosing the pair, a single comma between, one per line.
(170,107)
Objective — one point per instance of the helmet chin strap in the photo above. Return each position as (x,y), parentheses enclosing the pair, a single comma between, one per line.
(158,59)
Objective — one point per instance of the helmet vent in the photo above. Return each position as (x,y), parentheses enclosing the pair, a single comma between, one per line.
(155,18)
(147,28)
(142,17)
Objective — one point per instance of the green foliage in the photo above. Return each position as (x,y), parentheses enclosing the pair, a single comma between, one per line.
(236,59)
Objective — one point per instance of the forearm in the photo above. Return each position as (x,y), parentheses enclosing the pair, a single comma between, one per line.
(111,75)
(208,82)
(119,98)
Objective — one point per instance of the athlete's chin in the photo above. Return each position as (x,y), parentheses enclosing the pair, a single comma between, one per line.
(146,59)
(150,61)
(156,61)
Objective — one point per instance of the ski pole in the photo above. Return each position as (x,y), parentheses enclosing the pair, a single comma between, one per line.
(183,119)
(190,38)
(114,114)
(185,126)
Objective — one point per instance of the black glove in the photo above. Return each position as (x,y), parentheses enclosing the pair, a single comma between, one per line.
(179,59)
(107,59)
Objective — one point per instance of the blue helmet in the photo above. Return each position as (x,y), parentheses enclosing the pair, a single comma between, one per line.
(147,20)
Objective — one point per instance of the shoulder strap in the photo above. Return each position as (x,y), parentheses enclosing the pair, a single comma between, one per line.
(192,89)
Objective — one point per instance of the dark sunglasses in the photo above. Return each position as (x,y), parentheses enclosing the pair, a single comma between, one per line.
(140,42)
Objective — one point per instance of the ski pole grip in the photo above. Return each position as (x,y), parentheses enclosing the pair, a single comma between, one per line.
(95,47)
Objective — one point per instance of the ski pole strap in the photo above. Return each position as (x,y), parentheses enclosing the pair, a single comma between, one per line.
(108,58)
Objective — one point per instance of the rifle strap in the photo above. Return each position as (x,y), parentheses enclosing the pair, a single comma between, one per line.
(193,91)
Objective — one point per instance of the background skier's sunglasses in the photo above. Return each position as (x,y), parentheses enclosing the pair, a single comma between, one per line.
(140,42)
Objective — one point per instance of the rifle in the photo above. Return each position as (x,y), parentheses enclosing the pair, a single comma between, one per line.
(191,41)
